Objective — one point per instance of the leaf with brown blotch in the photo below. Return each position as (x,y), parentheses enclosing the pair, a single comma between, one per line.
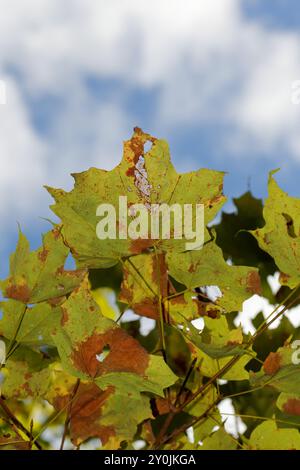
(144,178)
(36,276)
(91,346)
(289,403)
(280,236)
(145,278)
(207,267)
(279,372)
(97,413)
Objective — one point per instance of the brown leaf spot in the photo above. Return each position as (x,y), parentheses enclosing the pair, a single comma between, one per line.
(192,268)
(140,245)
(284,278)
(19,292)
(42,255)
(253,283)
(292,406)
(56,232)
(65,316)
(56,301)
(85,417)
(148,308)
(272,363)
(126,354)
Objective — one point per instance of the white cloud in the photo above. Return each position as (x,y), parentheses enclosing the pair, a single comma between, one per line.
(22,156)
(205,60)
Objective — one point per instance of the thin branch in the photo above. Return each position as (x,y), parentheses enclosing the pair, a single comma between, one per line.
(68,417)
(18,423)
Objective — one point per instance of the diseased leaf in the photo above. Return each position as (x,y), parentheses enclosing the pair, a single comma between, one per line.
(289,403)
(280,236)
(29,325)
(145,278)
(279,372)
(238,245)
(145,178)
(105,414)
(78,358)
(216,339)
(267,436)
(207,267)
(217,346)
(26,375)
(93,346)
(40,275)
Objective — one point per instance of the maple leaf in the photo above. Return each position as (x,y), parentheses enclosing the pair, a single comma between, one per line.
(26,375)
(216,345)
(40,275)
(145,278)
(111,416)
(29,325)
(289,403)
(93,346)
(279,372)
(267,436)
(144,178)
(280,236)
(207,267)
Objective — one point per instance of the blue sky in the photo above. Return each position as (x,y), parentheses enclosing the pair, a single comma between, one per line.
(212,77)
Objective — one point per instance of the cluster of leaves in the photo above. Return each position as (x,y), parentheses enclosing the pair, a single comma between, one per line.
(74,369)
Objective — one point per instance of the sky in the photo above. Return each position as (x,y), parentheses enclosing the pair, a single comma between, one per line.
(212,77)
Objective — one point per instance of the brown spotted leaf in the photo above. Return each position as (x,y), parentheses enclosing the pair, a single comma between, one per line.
(144,178)
(93,346)
(207,267)
(280,236)
(289,403)
(144,280)
(39,275)
(105,414)
(26,375)
(279,371)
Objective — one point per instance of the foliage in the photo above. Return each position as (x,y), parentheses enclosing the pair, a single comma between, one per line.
(76,373)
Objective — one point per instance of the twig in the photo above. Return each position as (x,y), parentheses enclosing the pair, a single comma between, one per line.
(68,417)
(18,423)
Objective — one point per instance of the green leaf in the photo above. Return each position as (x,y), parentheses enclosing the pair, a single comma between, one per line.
(216,346)
(267,436)
(279,372)
(144,279)
(26,375)
(145,178)
(29,325)
(219,440)
(289,403)
(238,245)
(207,267)
(216,339)
(95,347)
(40,275)
(106,414)
(280,237)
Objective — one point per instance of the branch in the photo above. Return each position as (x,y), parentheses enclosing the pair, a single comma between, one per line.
(18,423)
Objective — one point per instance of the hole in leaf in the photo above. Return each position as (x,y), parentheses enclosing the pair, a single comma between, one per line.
(289,225)
(147,146)
(102,356)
